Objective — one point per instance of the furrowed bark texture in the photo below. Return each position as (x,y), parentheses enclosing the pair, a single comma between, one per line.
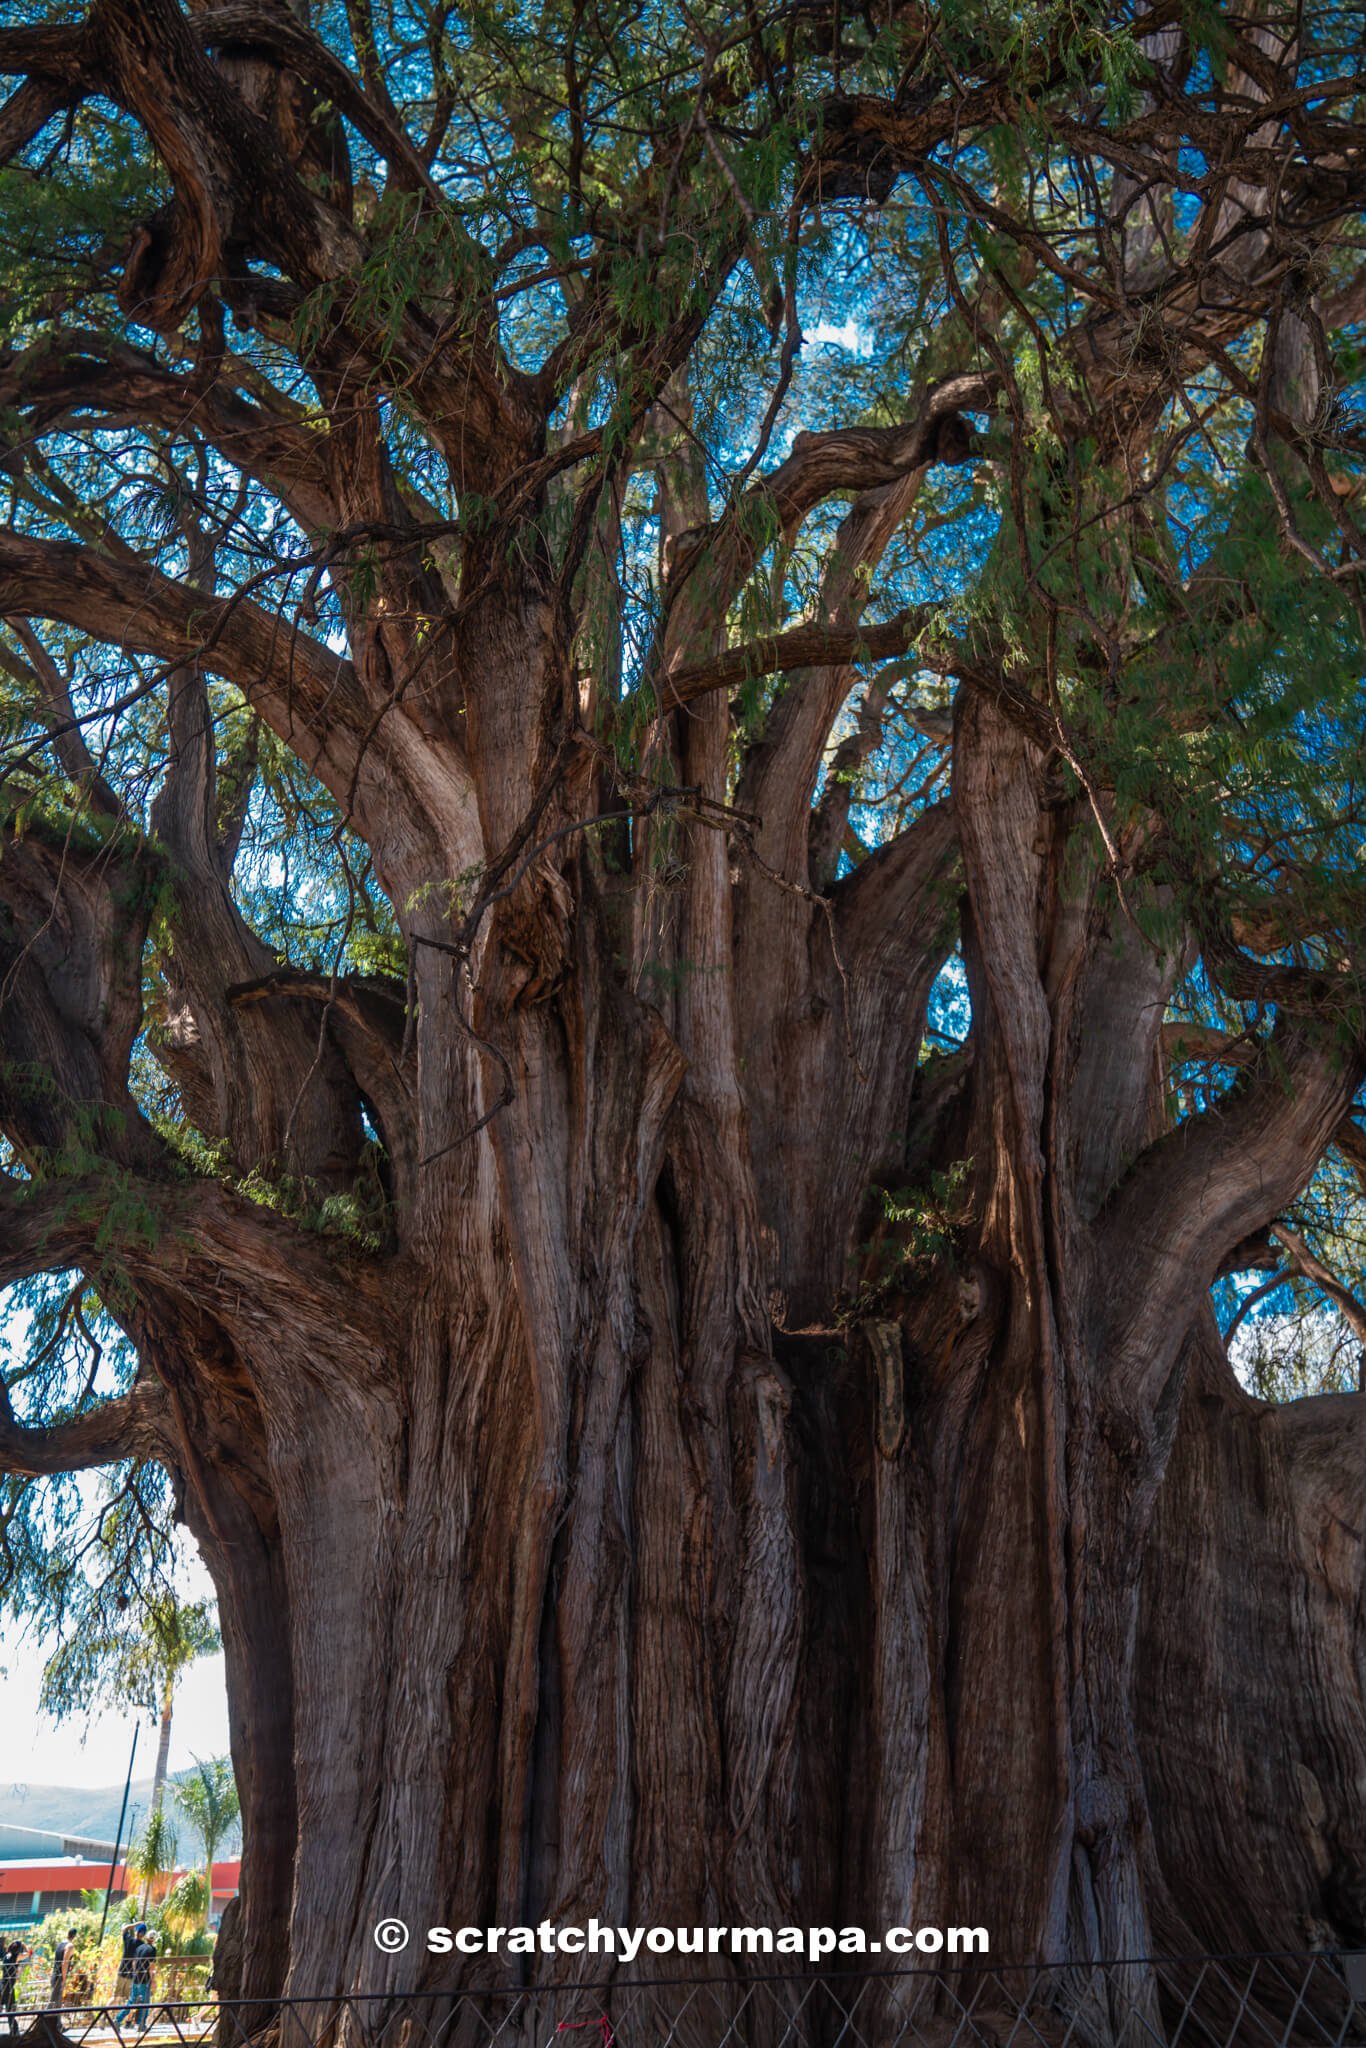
(563,1575)
(755,1472)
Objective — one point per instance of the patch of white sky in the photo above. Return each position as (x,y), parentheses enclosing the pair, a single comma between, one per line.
(850,335)
(92,1750)
(93,1753)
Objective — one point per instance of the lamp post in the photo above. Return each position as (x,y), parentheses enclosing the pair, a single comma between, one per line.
(118,1838)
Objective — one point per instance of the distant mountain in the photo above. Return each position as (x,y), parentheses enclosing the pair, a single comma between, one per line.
(76,1810)
(71,1809)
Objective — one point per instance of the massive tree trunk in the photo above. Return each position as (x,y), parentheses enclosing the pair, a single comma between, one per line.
(750,1470)
(565,1574)
(1254,1571)
(569,1568)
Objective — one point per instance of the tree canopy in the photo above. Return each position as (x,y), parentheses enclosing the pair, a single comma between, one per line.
(950,345)
(636,625)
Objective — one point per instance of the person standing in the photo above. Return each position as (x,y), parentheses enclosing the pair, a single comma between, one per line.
(61,1964)
(140,1990)
(10,1960)
(132,1934)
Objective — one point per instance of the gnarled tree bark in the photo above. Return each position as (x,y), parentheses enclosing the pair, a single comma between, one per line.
(757,1472)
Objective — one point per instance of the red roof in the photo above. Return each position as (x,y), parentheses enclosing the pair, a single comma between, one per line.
(20,1879)
(59,1877)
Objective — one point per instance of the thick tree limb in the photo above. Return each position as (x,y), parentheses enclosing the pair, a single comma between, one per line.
(1350,1139)
(1213,1180)
(186,1235)
(42,1229)
(233,182)
(1354,1314)
(73,921)
(1182,1042)
(820,465)
(800,647)
(301,688)
(910,884)
(43,676)
(79,373)
(267,1082)
(51,50)
(1203,1042)
(27,111)
(367,1016)
(132,1425)
(290,42)
(783,766)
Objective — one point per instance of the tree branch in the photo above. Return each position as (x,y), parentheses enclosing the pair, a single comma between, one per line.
(44,1228)
(903,896)
(849,459)
(49,688)
(53,50)
(77,372)
(289,678)
(292,43)
(27,112)
(1350,1140)
(232,180)
(1185,1042)
(800,647)
(1213,1180)
(74,909)
(132,1425)
(1182,1042)
(367,1016)
(783,765)
(1249,1301)
(1327,1282)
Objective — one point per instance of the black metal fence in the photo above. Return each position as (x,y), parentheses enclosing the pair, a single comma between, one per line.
(1264,2001)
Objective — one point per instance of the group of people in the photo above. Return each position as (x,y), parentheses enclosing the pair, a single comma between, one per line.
(135,1970)
(134,1975)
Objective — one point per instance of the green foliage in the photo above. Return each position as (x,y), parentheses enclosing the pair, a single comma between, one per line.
(920,1230)
(135,1664)
(84,1559)
(54,1927)
(54,228)
(419,258)
(355,1216)
(152,1855)
(208,1799)
(928,1218)
(185,1908)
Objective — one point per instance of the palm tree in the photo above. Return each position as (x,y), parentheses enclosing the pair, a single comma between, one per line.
(208,1799)
(185,1908)
(177,1635)
(140,1660)
(152,1856)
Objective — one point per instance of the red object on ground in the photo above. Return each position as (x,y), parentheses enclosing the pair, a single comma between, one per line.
(602,2023)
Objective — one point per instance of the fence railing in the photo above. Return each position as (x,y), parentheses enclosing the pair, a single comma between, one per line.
(1262,2001)
(88,1986)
